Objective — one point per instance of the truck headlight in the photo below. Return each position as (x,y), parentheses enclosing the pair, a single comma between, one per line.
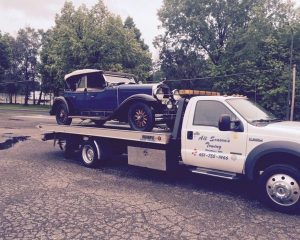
(176,94)
(159,94)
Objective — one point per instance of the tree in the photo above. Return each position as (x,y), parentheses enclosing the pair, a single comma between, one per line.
(90,38)
(129,24)
(206,25)
(25,56)
(231,36)
(7,72)
(5,55)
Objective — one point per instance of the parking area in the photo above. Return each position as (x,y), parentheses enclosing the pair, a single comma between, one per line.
(45,196)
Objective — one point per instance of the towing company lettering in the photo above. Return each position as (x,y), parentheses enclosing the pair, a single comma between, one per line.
(213,143)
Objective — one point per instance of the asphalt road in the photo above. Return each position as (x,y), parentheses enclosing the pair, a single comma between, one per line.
(44,196)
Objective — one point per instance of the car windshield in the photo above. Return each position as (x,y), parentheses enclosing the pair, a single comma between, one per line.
(112,79)
(252,112)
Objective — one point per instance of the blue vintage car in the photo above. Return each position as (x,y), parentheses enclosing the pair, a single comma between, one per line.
(101,96)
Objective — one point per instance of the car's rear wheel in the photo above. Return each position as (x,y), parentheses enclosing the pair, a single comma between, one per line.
(62,115)
(141,117)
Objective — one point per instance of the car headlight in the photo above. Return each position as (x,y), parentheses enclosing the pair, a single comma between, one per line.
(176,94)
(159,94)
(169,104)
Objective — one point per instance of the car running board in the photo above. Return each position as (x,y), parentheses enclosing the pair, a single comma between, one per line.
(89,117)
(215,173)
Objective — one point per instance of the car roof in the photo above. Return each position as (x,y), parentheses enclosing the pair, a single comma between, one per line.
(87,71)
(81,72)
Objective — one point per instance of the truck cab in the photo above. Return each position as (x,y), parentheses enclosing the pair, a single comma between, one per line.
(204,144)
(233,135)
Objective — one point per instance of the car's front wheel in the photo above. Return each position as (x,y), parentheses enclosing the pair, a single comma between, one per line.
(141,117)
(62,115)
(280,188)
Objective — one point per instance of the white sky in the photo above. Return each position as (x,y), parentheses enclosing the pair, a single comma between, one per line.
(16,14)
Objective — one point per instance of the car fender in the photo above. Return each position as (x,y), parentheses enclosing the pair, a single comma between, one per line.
(57,101)
(123,107)
(264,149)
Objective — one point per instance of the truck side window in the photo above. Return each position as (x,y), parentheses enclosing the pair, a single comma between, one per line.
(207,113)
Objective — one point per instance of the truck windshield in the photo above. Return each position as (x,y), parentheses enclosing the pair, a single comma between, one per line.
(252,112)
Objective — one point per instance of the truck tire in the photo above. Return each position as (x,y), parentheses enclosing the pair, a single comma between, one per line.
(279,188)
(62,115)
(93,154)
(141,117)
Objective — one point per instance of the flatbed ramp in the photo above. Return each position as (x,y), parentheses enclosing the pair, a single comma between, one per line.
(157,136)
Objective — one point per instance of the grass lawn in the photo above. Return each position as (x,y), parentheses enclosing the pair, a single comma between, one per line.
(23,107)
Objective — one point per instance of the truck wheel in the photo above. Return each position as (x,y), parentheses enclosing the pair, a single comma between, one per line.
(141,117)
(93,154)
(62,115)
(279,188)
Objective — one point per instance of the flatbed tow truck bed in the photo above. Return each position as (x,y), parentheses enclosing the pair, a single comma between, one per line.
(158,149)
(111,131)
(154,150)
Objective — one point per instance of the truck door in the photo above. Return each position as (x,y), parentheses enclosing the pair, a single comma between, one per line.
(206,146)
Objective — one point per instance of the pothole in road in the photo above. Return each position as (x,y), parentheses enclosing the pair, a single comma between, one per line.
(12,141)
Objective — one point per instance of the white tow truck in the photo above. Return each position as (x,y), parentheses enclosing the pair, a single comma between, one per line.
(222,136)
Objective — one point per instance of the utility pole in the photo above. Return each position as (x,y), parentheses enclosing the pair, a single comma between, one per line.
(293,93)
(290,69)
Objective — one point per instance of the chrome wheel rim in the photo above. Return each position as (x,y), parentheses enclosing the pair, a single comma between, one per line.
(140,118)
(283,189)
(88,154)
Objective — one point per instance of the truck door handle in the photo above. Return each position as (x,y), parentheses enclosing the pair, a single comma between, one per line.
(190,135)
(93,96)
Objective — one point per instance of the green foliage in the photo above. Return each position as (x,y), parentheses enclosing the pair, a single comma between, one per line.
(91,38)
(25,58)
(5,55)
(129,24)
(225,37)
(18,61)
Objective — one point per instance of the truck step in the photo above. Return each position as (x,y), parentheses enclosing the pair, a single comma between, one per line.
(215,173)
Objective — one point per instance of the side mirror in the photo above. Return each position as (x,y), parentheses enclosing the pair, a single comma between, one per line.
(224,123)
(85,90)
